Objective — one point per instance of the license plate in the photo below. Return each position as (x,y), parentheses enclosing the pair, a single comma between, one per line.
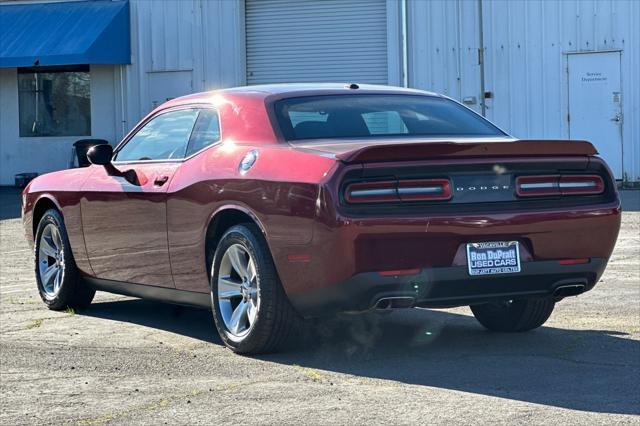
(498,257)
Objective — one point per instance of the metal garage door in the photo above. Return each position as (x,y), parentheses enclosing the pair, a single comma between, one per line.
(311,40)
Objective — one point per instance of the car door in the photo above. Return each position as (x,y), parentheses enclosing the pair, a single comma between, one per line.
(193,191)
(124,215)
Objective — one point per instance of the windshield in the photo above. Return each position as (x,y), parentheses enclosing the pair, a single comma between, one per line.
(373,116)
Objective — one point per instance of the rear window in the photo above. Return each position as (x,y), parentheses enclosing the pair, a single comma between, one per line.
(373,116)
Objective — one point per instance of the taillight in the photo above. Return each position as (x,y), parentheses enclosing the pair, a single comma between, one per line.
(395,191)
(581,185)
(372,192)
(537,186)
(422,190)
(531,186)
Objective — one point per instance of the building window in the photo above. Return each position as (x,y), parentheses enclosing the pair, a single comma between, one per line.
(54,101)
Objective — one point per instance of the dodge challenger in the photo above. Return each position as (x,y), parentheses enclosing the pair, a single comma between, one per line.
(268,204)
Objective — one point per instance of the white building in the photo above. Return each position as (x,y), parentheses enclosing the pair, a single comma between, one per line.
(538,69)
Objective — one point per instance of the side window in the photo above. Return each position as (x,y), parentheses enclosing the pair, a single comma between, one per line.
(165,137)
(205,132)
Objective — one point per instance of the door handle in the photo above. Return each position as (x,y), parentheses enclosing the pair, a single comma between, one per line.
(161,180)
(617,118)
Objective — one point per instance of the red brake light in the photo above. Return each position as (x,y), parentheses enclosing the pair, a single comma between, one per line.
(537,186)
(573,261)
(298,257)
(395,191)
(399,272)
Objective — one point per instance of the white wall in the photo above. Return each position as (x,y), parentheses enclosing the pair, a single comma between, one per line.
(185,46)
(179,47)
(525,54)
(531,80)
(45,154)
(443,48)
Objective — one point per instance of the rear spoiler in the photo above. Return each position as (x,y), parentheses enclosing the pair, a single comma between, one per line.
(435,150)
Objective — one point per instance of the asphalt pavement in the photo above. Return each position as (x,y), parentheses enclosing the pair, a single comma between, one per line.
(129,361)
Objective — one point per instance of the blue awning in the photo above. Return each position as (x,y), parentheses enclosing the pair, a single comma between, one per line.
(85,32)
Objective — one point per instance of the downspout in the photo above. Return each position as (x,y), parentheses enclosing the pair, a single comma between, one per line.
(483,107)
(405,44)
(459,49)
(122,112)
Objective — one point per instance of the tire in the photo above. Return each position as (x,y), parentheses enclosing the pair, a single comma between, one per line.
(260,297)
(514,315)
(59,282)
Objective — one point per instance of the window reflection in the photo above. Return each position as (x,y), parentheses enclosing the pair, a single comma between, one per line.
(164,137)
(54,101)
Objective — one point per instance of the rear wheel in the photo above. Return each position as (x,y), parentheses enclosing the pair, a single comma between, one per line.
(59,282)
(250,309)
(514,315)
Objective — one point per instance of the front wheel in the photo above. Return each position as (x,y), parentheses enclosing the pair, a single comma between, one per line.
(59,282)
(514,315)
(250,309)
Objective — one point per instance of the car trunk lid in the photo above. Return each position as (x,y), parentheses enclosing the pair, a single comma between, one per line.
(474,175)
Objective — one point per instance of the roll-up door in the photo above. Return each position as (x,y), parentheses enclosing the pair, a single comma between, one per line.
(316,40)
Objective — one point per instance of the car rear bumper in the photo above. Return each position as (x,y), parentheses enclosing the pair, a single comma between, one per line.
(339,269)
(448,287)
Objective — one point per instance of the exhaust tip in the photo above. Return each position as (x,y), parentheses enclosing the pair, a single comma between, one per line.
(394,303)
(569,290)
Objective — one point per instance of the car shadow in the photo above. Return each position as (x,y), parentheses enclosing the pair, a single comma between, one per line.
(587,370)
(186,321)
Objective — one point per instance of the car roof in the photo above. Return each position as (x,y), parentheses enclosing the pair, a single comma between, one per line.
(293,88)
(284,90)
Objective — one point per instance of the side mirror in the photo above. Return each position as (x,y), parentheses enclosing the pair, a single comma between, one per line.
(100,154)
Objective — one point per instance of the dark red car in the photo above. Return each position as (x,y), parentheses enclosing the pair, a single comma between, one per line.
(269,203)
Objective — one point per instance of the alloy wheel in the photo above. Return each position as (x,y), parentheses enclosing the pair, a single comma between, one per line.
(51,264)
(238,290)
